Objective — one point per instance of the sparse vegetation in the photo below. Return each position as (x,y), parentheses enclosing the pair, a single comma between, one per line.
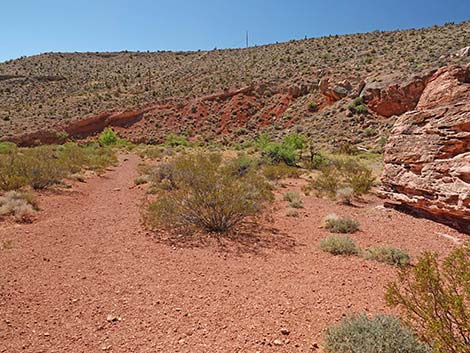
(339,245)
(336,224)
(389,255)
(381,333)
(21,205)
(435,299)
(43,166)
(108,137)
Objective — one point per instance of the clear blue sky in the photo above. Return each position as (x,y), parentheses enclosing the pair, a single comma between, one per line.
(30,27)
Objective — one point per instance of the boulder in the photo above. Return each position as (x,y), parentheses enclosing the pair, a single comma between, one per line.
(390,96)
(427,158)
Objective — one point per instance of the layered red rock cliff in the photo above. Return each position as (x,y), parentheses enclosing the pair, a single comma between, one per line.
(427,158)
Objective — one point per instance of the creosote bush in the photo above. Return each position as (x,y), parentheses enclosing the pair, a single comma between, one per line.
(339,245)
(382,333)
(43,166)
(389,255)
(435,299)
(336,224)
(200,191)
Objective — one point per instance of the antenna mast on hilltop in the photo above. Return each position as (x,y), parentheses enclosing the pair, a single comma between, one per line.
(247,39)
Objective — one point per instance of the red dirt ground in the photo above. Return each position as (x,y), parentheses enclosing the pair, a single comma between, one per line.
(86,277)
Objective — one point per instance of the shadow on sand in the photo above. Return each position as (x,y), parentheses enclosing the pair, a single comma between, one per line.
(249,238)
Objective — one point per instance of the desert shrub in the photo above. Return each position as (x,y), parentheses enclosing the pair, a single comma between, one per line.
(339,245)
(280,153)
(285,152)
(381,333)
(150,151)
(43,166)
(20,205)
(336,224)
(294,199)
(328,181)
(292,213)
(242,165)
(280,171)
(206,196)
(360,180)
(296,141)
(358,106)
(345,195)
(436,299)
(7,147)
(389,255)
(316,161)
(263,141)
(313,106)
(174,140)
(347,148)
(108,137)
(343,173)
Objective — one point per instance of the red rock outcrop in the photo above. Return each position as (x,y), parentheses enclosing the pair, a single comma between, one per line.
(390,96)
(427,158)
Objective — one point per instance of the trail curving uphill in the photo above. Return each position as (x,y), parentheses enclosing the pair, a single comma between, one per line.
(86,277)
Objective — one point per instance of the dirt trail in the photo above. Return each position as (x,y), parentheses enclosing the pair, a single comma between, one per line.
(86,277)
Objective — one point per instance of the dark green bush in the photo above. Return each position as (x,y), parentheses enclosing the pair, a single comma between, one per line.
(379,334)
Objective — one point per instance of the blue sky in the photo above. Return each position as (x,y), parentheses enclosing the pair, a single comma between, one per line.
(37,26)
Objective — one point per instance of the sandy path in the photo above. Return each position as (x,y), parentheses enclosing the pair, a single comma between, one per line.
(85,277)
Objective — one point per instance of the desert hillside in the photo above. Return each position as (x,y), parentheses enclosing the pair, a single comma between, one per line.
(233,92)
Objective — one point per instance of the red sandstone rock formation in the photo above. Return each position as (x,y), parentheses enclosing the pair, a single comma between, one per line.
(391,97)
(427,158)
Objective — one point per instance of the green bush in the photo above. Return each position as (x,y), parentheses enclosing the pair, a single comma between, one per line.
(389,255)
(435,299)
(108,137)
(242,165)
(7,147)
(361,180)
(339,245)
(43,166)
(296,141)
(174,140)
(280,153)
(207,196)
(341,225)
(379,334)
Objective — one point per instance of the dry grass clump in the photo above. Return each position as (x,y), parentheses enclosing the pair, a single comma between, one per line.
(339,245)
(388,255)
(381,333)
(336,224)
(344,178)
(201,191)
(294,199)
(20,205)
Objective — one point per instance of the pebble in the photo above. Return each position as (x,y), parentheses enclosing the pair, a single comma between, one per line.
(285,331)
(277,342)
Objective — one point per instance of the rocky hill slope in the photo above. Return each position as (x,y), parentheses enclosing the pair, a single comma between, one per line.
(306,85)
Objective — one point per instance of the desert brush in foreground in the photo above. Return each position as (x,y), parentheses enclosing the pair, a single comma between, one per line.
(201,191)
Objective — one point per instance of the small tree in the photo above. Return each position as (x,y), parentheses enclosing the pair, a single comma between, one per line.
(436,300)
(108,137)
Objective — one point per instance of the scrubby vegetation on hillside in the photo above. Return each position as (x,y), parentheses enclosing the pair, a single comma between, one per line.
(44,90)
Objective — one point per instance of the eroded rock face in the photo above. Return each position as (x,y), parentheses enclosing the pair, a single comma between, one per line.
(427,158)
(391,96)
